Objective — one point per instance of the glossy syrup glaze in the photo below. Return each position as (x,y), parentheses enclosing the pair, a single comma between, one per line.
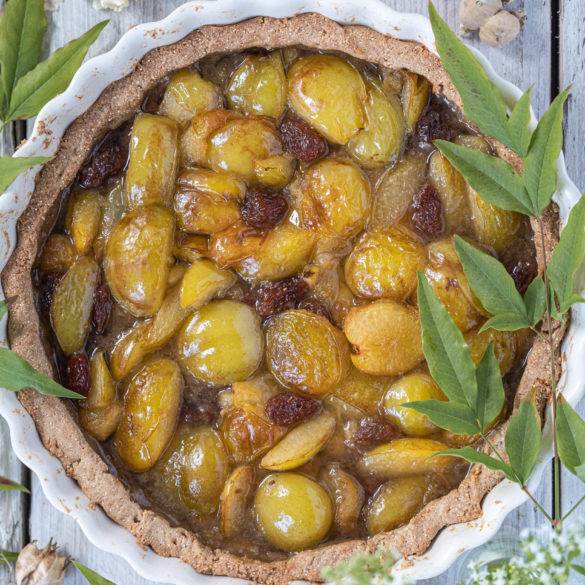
(232,284)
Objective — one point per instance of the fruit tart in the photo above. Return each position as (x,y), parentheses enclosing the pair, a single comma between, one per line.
(222,258)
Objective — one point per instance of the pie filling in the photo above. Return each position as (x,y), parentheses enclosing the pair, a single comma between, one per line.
(232,286)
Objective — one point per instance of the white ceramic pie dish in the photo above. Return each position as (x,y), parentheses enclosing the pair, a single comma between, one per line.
(89,82)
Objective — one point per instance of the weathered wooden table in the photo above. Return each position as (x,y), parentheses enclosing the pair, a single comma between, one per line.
(548,55)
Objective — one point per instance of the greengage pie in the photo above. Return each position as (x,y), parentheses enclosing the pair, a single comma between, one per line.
(223,258)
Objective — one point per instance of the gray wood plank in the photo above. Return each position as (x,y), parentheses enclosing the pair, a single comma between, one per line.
(524,62)
(12,504)
(572,71)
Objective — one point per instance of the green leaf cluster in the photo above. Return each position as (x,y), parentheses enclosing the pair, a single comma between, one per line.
(494,287)
(475,394)
(523,441)
(571,439)
(26,83)
(528,192)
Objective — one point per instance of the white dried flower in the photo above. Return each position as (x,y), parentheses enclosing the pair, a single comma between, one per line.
(548,559)
(473,13)
(40,566)
(500,29)
(115,5)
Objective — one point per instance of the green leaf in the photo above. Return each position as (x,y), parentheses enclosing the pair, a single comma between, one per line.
(51,77)
(12,166)
(8,556)
(571,438)
(7,485)
(523,439)
(22,28)
(444,347)
(535,300)
(504,322)
(482,101)
(540,165)
(578,569)
(92,577)
(490,390)
(519,123)
(473,456)
(452,416)
(16,374)
(493,178)
(3,309)
(568,256)
(492,284)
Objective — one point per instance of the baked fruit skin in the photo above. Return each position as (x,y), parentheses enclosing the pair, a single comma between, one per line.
(411,388)
(329,93)
(149,418)
(334,196)
(194,468)
(305,352)
(293,511)
(221,343)
(385,337)
(384,264)
(138,257)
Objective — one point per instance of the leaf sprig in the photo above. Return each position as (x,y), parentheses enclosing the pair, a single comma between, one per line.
(26,84)
(475,395)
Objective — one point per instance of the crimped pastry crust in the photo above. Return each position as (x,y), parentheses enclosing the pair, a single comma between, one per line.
(56,422)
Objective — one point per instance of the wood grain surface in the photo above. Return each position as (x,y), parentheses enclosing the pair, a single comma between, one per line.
(539,57)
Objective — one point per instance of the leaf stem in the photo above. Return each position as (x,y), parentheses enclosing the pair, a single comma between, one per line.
(581,500)
(557,513)
(523,487)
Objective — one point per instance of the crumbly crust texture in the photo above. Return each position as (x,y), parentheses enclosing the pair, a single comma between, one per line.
(56,421)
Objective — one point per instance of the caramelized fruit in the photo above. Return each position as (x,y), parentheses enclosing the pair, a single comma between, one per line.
(293,511)
(151,410)
(305,352)
(330,94)
(221,343)
(231,285)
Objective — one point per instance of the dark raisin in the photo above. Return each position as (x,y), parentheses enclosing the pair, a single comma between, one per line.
(427,212)
(262,209)
(274,297)
(202,413)
(287,408)
(432,125)
(302,141)
(153,98)
(315,306)
(47,288)
(77,374)
(102,309)
(520,261)
(107,160)
(373,430)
